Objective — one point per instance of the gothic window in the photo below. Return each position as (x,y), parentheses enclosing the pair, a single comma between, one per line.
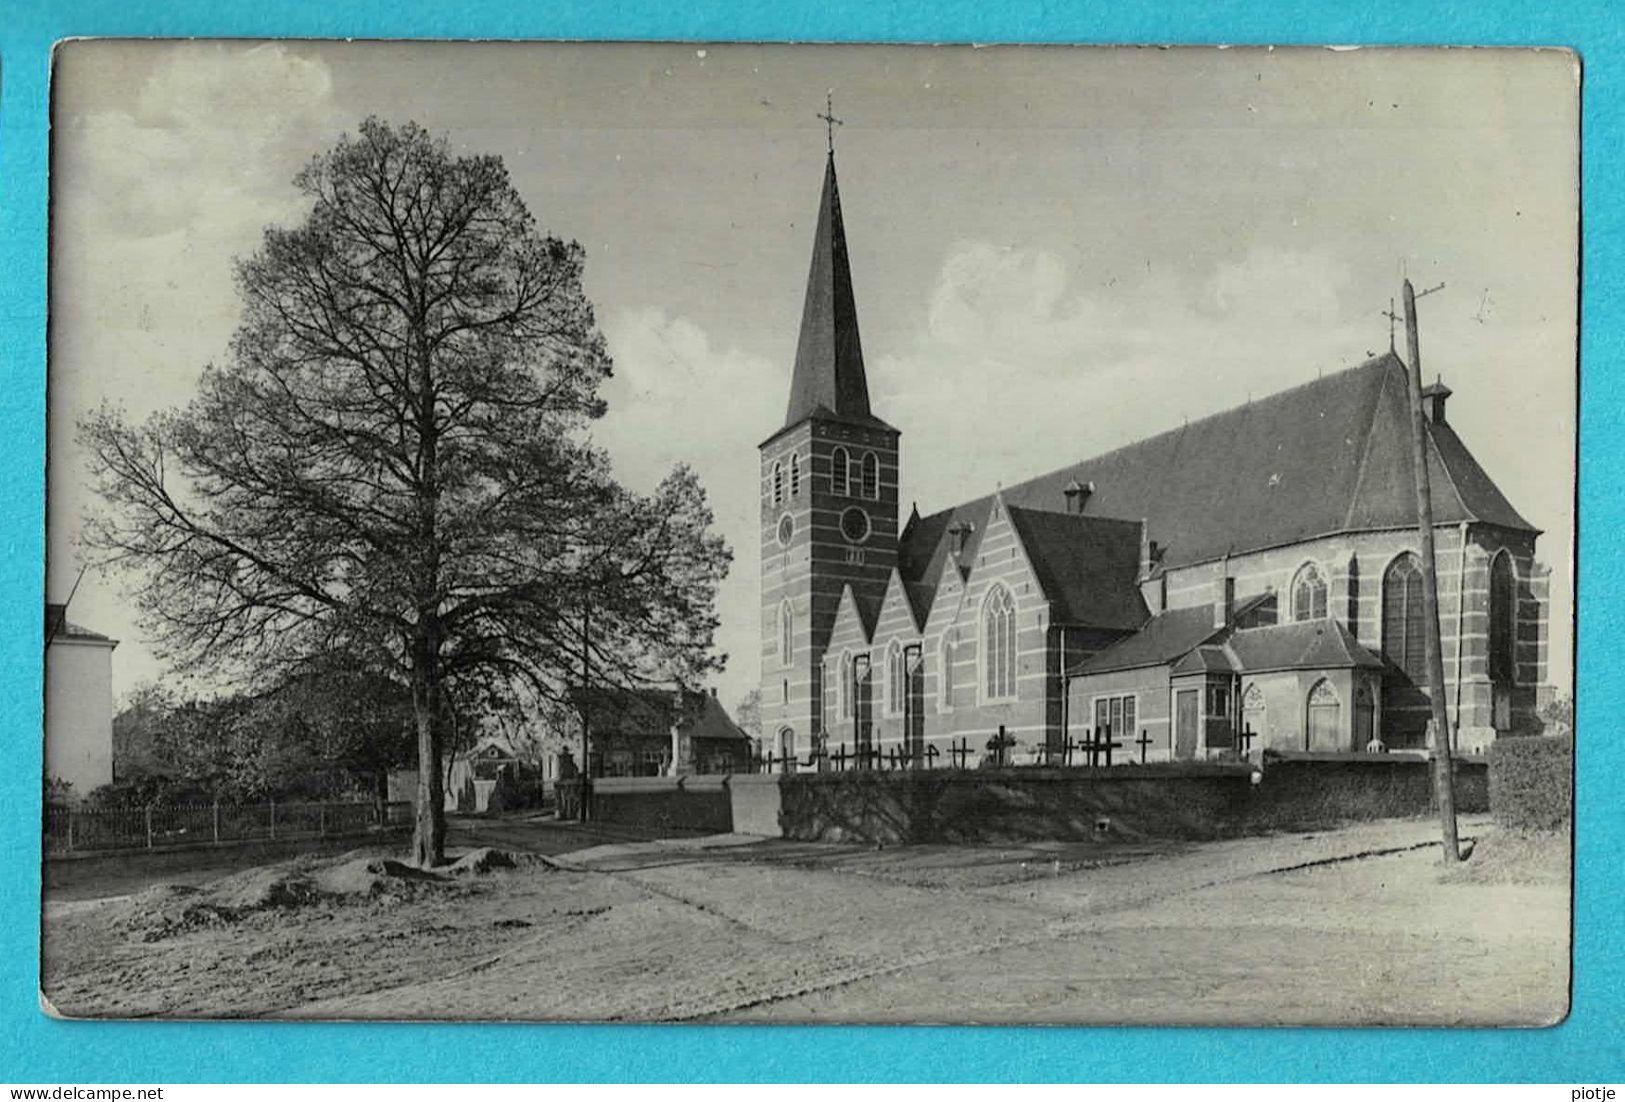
(871,476)
(1309,594)
(896,679)
(787,633)
(847,689)
(1503,619)
(787,749)
(1325,717)
(1403,624)
(999,644)
(795,475)
(945,679)
(778,483)
(1254,711)
(837,471)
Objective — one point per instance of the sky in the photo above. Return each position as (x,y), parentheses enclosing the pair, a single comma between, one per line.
(1055,250)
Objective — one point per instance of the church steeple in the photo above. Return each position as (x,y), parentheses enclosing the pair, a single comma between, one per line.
(829,376)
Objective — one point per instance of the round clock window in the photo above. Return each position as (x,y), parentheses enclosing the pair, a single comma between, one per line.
(787,530)
(855,524)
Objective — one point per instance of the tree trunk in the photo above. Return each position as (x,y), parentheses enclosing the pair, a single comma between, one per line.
(429,825)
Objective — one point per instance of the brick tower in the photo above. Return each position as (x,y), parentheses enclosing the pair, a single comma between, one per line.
(828,495)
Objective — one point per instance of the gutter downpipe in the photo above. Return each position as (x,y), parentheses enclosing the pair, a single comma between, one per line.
(1461,625)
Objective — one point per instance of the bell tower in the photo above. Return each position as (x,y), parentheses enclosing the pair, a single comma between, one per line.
(828,495)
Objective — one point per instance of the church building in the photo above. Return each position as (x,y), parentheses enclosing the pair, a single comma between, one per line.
(1248,581)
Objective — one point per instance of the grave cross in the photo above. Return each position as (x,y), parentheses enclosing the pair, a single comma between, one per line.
(1143,742)
(1245,737)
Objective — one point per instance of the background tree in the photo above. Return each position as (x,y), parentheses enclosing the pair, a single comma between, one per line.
(392,463)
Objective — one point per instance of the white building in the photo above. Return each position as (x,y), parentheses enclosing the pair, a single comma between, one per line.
(78,703)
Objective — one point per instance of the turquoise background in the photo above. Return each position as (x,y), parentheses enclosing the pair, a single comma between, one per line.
(35,1049)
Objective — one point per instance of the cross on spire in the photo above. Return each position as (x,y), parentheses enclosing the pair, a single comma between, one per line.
(830,121)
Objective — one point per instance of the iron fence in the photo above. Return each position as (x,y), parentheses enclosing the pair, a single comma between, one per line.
(160,826)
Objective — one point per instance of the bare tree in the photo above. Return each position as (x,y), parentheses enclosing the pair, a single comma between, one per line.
(392,463)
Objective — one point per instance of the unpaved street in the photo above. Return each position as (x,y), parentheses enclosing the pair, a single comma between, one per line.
(1290,929)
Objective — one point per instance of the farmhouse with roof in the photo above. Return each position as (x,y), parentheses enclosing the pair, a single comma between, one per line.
(1247,581)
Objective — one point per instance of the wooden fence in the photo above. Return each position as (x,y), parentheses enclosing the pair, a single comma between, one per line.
(163,826)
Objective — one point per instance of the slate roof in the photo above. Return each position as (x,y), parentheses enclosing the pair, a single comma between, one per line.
(1306,645)
(829,380)
(59,627)
(650,712)
(1186,641)
(1087,566)
(1330,456)
(1165,638)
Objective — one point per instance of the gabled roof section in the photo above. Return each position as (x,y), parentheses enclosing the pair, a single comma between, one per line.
(829,380)
(652,711)
(1305,645)
(908,595)
(1087,566)
(1329,456)
(712,721)
(866,609)
(1204,659)
(1165,638)
(60,629)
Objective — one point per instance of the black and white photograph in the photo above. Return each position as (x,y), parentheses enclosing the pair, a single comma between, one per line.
(668,532)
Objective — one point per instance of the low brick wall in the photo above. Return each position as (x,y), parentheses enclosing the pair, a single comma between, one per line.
(676,805)
(1183,800)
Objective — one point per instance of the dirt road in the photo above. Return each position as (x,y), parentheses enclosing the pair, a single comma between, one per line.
(1286,929)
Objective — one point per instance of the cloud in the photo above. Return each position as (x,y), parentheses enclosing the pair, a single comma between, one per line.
(1025,363)
(208,143)
(676,397)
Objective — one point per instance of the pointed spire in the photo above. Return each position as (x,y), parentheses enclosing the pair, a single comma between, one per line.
(829,372)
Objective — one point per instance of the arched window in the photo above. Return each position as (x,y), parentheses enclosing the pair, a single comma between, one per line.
(795,475)
(896,679)
(1503,619)
(787,633)
(871,476)
(1403,624)
(999,644)
(837,471)
(945,679)
(778,483)
(1325,717)
(1309,594)
(1254,715)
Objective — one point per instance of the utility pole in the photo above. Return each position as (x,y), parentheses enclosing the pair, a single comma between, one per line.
(586,705)
(1443,770)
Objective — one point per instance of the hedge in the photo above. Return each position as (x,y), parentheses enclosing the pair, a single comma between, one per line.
(1532,782)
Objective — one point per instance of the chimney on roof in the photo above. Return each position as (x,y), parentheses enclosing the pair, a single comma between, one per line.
(1224,594)
(1077,495)
(1149,551)
(1433,399)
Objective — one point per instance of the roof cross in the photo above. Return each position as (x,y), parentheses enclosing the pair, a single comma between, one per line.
(830,121)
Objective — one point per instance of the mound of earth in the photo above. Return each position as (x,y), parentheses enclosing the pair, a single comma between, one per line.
(165,910)
(371,876)
(478,862)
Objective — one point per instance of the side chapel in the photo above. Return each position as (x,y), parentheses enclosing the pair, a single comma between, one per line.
(1247,581)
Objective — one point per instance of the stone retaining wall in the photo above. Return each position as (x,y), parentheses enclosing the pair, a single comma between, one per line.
(1183,800)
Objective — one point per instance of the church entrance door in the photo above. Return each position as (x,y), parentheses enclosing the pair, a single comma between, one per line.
(1186,722)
